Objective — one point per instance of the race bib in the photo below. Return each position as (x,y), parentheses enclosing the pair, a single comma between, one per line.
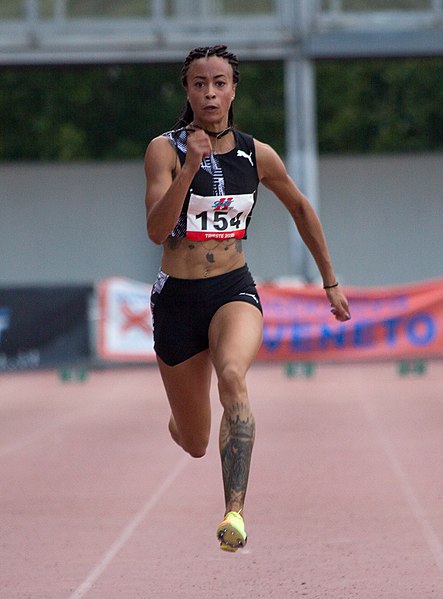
(218,217)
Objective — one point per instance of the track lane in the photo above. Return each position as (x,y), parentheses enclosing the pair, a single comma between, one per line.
(344,498)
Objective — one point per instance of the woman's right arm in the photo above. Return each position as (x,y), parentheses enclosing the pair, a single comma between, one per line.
(167,182)
(166,188)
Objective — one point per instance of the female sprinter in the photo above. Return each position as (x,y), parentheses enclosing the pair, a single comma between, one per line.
(202,180)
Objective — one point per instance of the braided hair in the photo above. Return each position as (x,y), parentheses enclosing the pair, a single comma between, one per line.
(187,115)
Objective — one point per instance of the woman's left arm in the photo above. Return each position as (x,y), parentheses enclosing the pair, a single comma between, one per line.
(274,176)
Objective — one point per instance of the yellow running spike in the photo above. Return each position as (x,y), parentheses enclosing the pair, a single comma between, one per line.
(231,532)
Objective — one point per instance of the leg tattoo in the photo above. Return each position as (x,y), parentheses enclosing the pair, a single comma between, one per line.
(237,433)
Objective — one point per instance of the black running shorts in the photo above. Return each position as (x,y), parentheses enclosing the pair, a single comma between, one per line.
(182,310)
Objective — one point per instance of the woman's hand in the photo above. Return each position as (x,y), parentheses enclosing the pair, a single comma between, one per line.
(198,147)
(339,304)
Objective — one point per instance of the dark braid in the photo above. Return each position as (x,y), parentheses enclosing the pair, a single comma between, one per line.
(207,51)
(204,52)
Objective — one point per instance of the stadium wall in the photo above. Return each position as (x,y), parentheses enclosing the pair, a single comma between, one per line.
(77,223)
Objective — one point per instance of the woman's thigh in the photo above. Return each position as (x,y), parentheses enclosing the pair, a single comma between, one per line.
(235,336)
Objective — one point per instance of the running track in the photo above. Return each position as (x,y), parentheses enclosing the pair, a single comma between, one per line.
(345,498)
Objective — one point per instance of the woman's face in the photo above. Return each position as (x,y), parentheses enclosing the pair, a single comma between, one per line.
(210,88)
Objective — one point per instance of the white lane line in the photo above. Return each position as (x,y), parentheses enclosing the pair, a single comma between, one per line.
(415,506)
(128,531)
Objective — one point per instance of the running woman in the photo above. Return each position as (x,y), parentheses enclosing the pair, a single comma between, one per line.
(202,180)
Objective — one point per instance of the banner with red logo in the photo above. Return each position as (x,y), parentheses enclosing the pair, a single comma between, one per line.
(125,321)
(402,322)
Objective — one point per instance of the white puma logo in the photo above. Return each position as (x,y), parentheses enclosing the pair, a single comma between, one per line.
(254,297)
(242,154)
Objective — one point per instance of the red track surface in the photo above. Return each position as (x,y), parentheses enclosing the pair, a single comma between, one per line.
(345,498)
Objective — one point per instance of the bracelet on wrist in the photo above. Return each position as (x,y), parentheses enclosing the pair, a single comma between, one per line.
(330,286)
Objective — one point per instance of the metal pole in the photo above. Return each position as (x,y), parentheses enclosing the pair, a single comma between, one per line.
(301,139)
(31,11)
(158,9)
(59,10)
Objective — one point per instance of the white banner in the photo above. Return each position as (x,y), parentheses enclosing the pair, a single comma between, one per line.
(125,321)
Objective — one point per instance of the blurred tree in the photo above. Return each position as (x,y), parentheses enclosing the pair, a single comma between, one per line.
(111,112)
(259,106)
(84,113)
(380,106)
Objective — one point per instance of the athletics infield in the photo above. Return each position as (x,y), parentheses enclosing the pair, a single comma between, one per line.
(345,499)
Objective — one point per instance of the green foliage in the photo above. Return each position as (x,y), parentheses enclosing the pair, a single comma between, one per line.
(380,106)
(232,7)
(259,105)
(372,5)
(106,8)
(85,113)
(111,112)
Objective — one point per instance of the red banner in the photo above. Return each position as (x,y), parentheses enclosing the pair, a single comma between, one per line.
(399,322)
(403,322)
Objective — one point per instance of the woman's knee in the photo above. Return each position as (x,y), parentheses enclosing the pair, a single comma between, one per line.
(194,444)
(232,382)
(195,447)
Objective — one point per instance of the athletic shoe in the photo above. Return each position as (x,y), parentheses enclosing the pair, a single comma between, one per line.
(231,532)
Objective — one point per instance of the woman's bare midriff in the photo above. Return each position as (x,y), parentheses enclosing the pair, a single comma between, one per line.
(186,259)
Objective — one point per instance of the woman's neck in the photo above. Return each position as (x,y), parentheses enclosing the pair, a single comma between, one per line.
(216,134)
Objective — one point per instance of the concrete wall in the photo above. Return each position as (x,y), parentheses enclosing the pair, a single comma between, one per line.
(81,222)
(383,217)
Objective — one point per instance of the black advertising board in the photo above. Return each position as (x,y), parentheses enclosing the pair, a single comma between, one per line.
(43,326)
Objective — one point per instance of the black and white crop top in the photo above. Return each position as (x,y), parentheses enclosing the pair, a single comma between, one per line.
(223,193)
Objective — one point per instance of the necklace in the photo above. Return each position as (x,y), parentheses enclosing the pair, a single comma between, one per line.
(216,134)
